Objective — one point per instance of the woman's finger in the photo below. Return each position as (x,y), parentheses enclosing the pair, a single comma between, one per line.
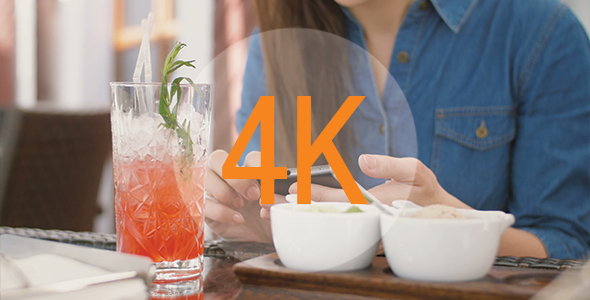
(248,188)
(278,199)
(218,212)
(252,159)
(391,191)
(320,193)
(381,166)
(265,213)
(222,192)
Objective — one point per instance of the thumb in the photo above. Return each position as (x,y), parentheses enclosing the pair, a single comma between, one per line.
(387,167)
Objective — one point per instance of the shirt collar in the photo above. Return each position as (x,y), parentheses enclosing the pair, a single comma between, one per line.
(453,12)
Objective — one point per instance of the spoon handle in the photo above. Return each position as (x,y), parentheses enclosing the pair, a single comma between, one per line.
(369,197)
(373,200)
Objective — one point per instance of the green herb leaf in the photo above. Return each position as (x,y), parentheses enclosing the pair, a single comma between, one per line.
(353,209)
(170,115)
(178,64)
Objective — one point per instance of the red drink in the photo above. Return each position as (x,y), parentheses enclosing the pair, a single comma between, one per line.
(159,169)
(159,212)
(198,296)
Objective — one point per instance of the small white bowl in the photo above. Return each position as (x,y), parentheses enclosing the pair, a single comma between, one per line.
(443,250)
(313,241)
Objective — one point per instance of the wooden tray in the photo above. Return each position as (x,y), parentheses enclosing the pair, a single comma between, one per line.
(378,281)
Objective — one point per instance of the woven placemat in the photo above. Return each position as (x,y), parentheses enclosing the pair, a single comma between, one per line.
(538,263)
(247,250)
(215,249)
(89,239)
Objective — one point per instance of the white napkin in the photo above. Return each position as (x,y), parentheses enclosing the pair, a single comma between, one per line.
(46,268)
(43,262)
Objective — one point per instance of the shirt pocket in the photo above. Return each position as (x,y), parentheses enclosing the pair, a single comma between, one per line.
(478,128)
(471,153)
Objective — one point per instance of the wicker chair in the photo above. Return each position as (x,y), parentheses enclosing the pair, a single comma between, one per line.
(51,166)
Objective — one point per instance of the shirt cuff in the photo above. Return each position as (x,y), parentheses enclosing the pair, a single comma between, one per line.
(559,245)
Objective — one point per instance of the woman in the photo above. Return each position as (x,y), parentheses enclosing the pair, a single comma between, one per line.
(500,96)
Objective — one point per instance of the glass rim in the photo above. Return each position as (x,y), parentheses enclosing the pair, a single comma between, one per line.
(158,84)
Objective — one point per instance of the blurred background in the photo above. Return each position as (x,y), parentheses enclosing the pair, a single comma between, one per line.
(56,60)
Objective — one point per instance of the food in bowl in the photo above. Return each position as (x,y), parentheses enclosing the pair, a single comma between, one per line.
(438,211)
(330,209)
(442,250)
(312,241)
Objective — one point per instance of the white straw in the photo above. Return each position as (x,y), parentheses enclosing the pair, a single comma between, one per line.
(148,56)
(144,62)
(144,57)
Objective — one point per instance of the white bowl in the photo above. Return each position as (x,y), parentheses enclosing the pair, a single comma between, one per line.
(443,250)
(313,241)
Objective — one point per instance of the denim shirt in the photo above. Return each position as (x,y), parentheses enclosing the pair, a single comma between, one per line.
(499,92)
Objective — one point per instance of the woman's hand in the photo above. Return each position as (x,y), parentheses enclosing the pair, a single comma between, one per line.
(408,179)
(232,209)
(265,210)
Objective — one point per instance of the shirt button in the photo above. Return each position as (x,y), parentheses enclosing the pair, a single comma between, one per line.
(403,57)
(482,132)
(423,5)
(381,129)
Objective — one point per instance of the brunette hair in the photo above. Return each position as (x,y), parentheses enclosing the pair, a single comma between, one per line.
(306,57)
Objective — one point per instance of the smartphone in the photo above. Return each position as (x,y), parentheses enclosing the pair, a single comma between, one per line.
(321,175)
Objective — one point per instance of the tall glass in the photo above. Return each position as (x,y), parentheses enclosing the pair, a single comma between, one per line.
(160,176)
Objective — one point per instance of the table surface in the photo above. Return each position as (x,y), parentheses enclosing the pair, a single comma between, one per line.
(220,281)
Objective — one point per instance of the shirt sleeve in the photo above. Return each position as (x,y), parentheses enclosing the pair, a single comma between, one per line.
(551,154)
(254,86)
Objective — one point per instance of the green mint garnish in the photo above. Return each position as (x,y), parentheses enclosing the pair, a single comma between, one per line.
(169,114)
(353,209)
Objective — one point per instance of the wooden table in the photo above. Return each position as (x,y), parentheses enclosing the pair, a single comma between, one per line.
(264,278)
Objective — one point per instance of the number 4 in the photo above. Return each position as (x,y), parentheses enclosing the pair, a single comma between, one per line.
(263,113)
(307,153)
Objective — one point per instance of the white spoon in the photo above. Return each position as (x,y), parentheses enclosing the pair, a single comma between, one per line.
(397,204)
(372,200)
